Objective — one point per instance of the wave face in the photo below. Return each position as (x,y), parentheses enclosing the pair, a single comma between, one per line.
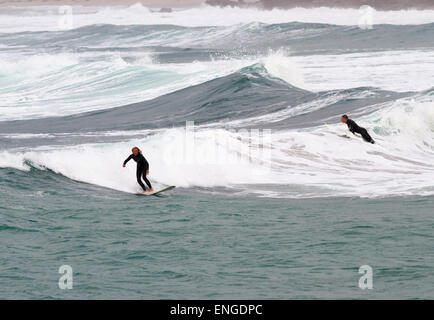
(265,95)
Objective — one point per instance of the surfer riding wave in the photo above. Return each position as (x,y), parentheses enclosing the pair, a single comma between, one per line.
(142,168)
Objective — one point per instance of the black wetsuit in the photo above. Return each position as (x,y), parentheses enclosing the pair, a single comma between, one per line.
(142,167)
(354,128)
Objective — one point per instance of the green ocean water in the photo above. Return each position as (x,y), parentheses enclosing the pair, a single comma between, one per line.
(191,244)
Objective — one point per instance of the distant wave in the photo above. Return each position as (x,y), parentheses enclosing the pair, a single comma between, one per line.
(251,92)
(48,85)
(44,85)
(253,36)
(47,18)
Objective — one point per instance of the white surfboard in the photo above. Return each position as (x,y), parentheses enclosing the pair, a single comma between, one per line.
(158,191)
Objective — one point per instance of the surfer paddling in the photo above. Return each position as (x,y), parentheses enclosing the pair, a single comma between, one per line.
(142,168)
(354,128)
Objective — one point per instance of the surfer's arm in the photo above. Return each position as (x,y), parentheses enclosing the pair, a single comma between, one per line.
(351,128)
(127,159)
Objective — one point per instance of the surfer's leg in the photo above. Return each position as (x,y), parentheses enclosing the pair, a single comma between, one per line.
(146,180)
(139,177)
(366,135)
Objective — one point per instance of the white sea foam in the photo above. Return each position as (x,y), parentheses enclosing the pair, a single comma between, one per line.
(318,161)
(399,70)
(47,18)
(63,84)
(315,160)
